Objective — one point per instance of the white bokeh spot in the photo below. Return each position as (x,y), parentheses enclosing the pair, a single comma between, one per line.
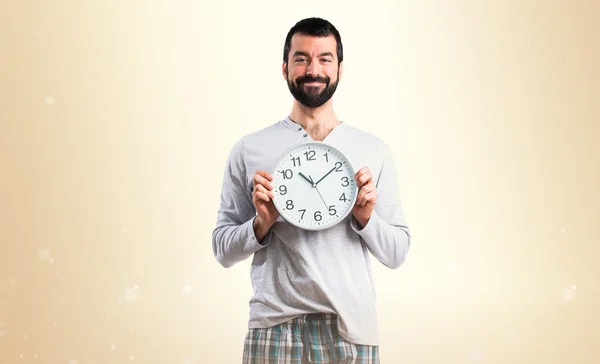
(568,294)
(130,295)
(44,255)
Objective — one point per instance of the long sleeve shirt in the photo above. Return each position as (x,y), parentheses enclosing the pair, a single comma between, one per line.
(296,271)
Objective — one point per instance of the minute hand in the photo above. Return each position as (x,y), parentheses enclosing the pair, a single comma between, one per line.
(327,174)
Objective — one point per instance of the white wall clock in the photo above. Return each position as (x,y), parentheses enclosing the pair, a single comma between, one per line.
(314,185)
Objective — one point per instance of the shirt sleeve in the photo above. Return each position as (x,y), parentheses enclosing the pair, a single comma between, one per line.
(386,234)
(233,238)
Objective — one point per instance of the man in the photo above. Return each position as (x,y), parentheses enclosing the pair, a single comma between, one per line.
(314,299)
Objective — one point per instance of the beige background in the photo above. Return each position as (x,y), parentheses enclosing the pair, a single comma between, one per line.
(117,117)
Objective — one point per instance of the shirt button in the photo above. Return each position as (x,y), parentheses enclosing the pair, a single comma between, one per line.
(305,135)
(299,129)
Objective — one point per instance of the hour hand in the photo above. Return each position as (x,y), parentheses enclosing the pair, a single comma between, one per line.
(306,179)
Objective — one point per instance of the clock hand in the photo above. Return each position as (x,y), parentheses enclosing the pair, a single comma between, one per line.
(327,174)
(307,180)
(322,199)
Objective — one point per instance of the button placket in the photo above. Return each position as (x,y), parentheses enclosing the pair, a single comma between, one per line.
(300,129)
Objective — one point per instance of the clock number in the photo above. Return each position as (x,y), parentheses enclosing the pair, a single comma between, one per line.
(332,210)
(282,189)
(345,181)
(326,157)
(310,155)
(294,159)
(318,216)
(338,166)
(287,174)
(303,211)
(343,197)
(289,204)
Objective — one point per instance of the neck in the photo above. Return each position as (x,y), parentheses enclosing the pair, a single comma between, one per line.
(309,118)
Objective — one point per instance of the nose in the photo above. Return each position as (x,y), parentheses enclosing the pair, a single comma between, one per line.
(313,69)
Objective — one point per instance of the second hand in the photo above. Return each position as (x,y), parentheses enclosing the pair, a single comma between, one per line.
(316,188)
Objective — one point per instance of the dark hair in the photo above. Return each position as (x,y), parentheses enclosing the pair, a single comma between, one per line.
(315,27)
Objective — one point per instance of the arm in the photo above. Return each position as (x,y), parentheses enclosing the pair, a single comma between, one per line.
(385,232)
(239,233)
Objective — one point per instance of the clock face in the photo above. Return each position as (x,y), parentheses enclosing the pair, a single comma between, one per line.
(314,185)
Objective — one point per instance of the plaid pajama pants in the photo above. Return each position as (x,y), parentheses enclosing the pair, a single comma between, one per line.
(311,338)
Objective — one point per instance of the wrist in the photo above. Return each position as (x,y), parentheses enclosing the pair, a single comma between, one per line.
(362,222)
(261,228)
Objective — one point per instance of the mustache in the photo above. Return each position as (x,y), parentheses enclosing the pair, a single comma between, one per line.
(304,79)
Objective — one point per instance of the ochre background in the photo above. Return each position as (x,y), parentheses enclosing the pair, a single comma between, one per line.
(116,118)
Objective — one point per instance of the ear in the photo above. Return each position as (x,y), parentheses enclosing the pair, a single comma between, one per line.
(341,70)
(284,70)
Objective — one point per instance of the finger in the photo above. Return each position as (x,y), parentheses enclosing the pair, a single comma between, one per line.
(364,178)
(360,196)
(361,171)
(370,197)
(262,189)
(260,180)
(363,192)
(264,174)
(260,196)
(262,193)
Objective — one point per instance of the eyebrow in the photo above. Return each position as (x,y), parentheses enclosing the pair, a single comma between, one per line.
(301,53)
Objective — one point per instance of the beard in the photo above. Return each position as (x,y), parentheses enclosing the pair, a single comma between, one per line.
(310,96)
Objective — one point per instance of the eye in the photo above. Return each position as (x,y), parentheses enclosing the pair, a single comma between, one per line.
(326,60)
(300,59)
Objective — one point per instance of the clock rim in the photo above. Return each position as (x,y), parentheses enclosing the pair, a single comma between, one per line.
(342,217)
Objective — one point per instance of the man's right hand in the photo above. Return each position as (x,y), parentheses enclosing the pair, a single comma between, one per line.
(262,196)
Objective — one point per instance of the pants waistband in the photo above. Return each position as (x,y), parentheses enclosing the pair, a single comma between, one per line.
(318,316)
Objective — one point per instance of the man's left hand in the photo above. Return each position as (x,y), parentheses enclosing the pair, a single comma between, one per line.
(367,195)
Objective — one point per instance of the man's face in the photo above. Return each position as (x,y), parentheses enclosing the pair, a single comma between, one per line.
(312,71)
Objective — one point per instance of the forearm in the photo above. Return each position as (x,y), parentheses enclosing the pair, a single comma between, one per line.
(388,243)
(235,243)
